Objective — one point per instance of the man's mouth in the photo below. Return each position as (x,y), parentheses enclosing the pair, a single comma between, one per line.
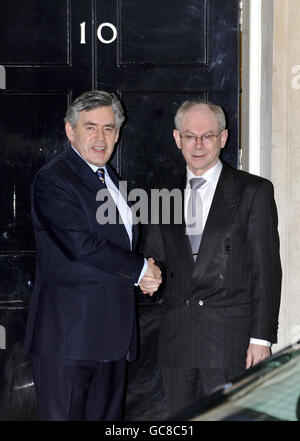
(198,155)
(98,148)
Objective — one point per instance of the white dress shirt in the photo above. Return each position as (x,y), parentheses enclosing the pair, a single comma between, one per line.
(207,192)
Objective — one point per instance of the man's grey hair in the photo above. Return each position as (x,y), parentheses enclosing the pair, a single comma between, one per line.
(92,100)
(217,110)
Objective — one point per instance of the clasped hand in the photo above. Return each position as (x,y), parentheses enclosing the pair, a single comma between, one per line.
(152,278)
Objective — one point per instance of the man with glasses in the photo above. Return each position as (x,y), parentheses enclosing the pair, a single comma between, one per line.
(221,265)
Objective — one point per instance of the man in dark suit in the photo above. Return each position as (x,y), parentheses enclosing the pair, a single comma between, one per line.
(81,325)
(221,263)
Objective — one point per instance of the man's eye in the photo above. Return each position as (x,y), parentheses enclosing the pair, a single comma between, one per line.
(190,137)
(206,137)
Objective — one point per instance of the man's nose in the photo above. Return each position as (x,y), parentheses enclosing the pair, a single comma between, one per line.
(100,134)
(198,142)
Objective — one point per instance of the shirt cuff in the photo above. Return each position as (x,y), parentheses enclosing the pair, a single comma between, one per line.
(258,341)
(143,272)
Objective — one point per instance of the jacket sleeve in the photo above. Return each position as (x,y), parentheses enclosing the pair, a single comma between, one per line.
(153,246)
(264,264)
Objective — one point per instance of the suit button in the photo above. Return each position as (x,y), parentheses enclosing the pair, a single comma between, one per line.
(172,275)
(227,248)
(187,302)
(201,303)
(221,276)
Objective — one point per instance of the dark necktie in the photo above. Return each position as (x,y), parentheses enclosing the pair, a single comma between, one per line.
(101,174)
(194,220)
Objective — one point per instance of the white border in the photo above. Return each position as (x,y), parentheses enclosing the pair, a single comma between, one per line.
(255,87)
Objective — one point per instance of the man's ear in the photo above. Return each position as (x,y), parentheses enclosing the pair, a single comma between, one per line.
(177,138)
(117,135)
(224,137)
(70,132)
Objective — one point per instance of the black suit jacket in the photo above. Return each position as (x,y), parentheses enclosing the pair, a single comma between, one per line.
(212,307)
(83,305)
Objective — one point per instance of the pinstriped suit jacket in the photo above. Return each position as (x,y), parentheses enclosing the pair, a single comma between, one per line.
(212,307)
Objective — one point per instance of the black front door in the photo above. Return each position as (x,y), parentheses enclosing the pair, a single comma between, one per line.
(155,55)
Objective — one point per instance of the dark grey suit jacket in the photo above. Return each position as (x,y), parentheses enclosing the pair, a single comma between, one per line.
(212,307)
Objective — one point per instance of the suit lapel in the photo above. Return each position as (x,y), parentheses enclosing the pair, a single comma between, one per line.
(179,229)
(219,218)
(89,179)
(82,170)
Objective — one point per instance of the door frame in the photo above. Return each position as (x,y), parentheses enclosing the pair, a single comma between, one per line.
(256,76)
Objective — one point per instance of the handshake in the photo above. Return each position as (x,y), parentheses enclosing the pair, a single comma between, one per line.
(152,278)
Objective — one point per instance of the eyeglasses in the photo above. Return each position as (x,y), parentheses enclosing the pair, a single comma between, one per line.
(205,139)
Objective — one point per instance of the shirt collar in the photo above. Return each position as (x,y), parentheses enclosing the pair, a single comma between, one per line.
(211,176)
(93,167)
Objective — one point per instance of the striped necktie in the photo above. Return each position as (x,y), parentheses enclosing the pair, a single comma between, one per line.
(101,175)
